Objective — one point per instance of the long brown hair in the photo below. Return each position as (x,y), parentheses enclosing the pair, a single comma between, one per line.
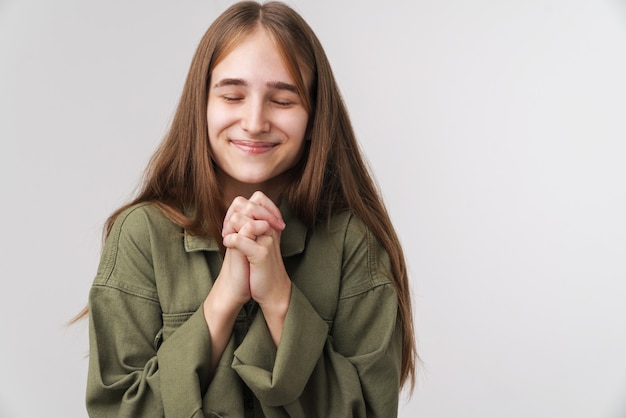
(331,177)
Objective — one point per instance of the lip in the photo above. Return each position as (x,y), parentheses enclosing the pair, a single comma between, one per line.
(253,147)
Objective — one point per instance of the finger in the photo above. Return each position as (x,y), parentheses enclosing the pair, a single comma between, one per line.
(261,208)
(235,222)
(247,246)
(262,200)
(266,248)
(234,207)
(254,229)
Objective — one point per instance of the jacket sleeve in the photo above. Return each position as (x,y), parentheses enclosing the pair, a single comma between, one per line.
(351,369)
(128,376)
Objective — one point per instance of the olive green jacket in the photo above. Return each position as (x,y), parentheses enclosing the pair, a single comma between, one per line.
(340,350)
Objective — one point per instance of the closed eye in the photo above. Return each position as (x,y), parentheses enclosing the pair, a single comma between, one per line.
(283,103)
(231,98)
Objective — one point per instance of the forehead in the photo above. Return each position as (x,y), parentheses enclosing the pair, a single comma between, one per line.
(253,50)
(254,55)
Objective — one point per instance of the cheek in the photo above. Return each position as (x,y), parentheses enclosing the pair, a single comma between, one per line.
(296,124)
(212,114)
(217,119)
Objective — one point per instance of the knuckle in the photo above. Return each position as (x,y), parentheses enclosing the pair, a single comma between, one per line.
(248,227)
(257,195)
(249,206)
(235,218)
(238,202)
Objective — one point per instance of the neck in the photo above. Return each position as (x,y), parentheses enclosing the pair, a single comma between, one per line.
(272,188)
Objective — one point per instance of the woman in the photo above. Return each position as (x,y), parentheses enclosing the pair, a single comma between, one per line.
(257,272)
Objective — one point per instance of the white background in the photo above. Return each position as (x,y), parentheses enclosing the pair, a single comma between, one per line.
(496,130)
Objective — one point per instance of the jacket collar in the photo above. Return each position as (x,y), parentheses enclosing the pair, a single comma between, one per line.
(292,240)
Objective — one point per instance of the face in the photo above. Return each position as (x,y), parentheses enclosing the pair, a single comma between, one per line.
(256,118)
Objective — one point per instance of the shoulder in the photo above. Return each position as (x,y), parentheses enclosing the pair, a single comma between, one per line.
(137,232)
(139,217)
(141,223)
(353,234)
(365,262)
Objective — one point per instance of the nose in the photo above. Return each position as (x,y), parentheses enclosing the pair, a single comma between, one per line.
(255,119)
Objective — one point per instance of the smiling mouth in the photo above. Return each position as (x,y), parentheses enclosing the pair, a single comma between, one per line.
(254,147)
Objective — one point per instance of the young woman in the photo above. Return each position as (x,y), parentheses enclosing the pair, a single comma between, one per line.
(257,272)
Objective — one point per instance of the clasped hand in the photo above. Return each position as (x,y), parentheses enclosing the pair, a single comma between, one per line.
(253,265)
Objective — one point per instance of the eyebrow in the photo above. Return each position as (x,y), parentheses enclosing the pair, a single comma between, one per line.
(277,85)
(280,85)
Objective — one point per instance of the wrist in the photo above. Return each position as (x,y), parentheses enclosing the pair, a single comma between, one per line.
(275,312)
(275,309)
(218,304)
